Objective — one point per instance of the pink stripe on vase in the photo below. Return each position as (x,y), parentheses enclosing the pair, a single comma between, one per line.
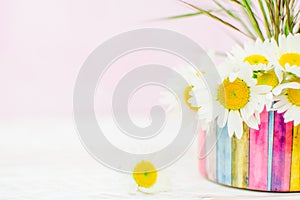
(258,156)
(211,153)
(202,152)
(288,156)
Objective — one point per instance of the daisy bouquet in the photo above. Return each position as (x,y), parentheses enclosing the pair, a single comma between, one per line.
(257,132)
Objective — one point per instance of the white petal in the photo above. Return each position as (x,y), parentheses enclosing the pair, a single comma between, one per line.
(289,116)
(281,87)
(262,89)
(283,108)
(279,74)
(252,122)
(257,116)
(281,102)
(233,76)
(269,96)
(293,69)
(230,124)
(235,124)
(248,109)
(244,114)
(222,119)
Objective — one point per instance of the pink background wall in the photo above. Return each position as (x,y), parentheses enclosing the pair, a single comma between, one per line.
(44,43)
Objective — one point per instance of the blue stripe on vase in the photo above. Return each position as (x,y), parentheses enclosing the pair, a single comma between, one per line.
(270,148)
(223,156)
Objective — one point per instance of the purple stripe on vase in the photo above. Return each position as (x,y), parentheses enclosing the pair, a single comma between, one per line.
(282,144)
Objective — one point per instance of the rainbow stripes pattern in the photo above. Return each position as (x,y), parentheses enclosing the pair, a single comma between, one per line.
(267,159)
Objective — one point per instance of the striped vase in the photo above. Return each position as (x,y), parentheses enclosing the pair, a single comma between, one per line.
(267,159)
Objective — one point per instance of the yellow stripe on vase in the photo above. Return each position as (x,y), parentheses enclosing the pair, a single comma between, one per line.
(240,163)
(295,168)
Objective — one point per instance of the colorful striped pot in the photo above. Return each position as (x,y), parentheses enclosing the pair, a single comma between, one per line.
(267,159)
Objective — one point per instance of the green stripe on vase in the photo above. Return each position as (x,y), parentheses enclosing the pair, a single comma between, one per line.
(295,168)
(240,159)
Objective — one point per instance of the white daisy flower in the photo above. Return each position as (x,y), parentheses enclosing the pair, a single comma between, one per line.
(268,78)
(147,179)
(288,101)
(183,91)
(200,98)
(241,98)
(257,54)
(287,57)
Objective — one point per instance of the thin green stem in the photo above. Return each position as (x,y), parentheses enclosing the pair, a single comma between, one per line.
(271,14)
(189,15)
(278,17)
(253,19)
(288,17)
(232,15)
(267,24)
(215,18)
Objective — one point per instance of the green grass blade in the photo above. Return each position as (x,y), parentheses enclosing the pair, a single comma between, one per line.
(248,9)
(209,14)
(238,19)
(186,15)
(266,20)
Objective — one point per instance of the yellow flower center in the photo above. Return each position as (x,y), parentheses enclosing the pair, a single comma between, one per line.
(268,78)
(145,174)
(233,95)
(290,58)
(293,95)
(187,96)
(256,59)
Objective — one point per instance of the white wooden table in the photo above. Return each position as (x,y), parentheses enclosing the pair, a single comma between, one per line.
(43,159)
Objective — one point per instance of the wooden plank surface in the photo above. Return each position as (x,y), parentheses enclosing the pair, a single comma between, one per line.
(43,159)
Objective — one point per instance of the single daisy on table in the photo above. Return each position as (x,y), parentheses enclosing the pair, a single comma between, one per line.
(147,179)
(288,101)
(239,98)
(287,58)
